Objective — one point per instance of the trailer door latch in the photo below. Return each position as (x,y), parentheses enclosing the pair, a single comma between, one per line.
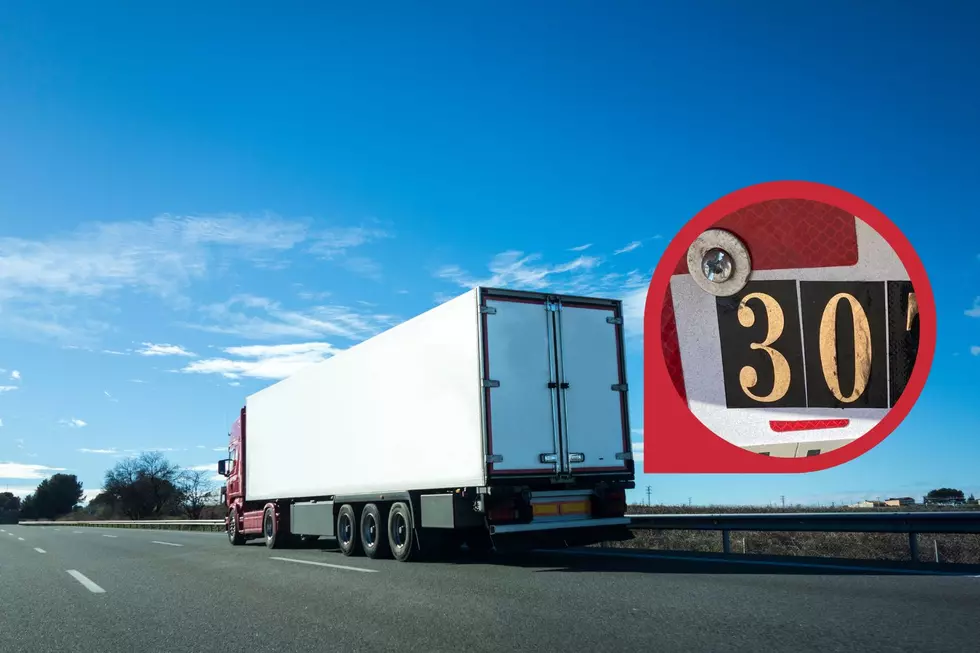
(619,387)
(489,383)
(614,320)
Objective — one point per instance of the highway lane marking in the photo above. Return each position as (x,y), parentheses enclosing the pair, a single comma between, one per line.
(21,539)
(76,532)
(773,563)
(40,550)
(86,583)
(166,543)
(110,536)
(325,564)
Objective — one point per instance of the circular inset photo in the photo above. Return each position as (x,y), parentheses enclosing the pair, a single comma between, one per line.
(790,327)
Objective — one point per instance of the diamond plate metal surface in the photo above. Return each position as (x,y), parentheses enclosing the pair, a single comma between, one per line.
(787,234)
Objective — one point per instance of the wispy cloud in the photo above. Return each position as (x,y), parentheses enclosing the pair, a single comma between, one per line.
(579,276)
(7,388)
(1,423)
(109,396)
(52,287)
(637,451)
(975,350)
(202,468)
(113,352)
(25,471)
(580,248)
(628,248)
(100,451)
(258,318)
(333,243)
(74,423)
(151,349)
(975,310)
(137,381)
(263,361)
(15,375)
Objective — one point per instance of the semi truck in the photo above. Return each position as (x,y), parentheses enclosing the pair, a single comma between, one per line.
(496,420)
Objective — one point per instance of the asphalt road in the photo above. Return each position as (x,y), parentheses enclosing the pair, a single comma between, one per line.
(122,590)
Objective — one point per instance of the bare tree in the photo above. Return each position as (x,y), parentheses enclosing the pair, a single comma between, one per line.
(144,486)
(197,490)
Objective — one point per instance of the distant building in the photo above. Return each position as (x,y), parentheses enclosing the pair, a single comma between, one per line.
(900,501)
(868,504)
(943,501)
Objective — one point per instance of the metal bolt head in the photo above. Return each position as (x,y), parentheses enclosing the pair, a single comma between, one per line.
(717,265)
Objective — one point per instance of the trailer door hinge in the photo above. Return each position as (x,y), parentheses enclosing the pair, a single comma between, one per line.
(614,320)
(620,387)
(489,383)
(624,455)
(488,310)
(551,306)
(495,458)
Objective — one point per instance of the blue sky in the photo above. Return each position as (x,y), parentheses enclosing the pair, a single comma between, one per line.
(196,200)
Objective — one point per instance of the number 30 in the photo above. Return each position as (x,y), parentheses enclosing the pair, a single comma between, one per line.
(782,375)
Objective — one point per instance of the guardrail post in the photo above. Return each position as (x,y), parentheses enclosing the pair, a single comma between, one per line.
(914,546)
(726,541)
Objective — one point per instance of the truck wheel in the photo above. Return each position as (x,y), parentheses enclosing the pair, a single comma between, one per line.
(270,529)
(401,532)
(347,531)
(234,535)
(374,532)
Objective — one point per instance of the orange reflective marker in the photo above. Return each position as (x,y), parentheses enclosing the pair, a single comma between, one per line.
(789,327)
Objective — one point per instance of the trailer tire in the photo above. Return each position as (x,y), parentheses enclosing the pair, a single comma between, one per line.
(348,532)
(401,532)
(374,532)
(234,535)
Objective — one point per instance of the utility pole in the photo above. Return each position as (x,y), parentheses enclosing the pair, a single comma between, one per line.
(648,495)
(782,497)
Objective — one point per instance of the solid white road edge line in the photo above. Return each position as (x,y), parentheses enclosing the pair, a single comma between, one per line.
(764,563)
(86,583)
(165,543)
(40,550)
(324,564)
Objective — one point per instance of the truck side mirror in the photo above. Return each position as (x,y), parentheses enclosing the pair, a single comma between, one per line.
(222,467)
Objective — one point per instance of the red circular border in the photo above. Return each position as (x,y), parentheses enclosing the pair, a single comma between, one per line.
(675,441)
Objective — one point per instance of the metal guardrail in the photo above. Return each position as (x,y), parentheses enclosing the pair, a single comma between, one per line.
(911,523)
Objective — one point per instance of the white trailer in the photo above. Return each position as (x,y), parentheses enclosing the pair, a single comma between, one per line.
(500,413)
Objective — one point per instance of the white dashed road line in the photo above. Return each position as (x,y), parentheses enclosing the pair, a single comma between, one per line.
(40,550)
(21,539)
(110,536)
(325,564)
(86,583)
(76,532)
(166,543)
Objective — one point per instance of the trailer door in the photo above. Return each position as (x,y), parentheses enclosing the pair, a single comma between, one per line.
(593,399)
(520,381)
